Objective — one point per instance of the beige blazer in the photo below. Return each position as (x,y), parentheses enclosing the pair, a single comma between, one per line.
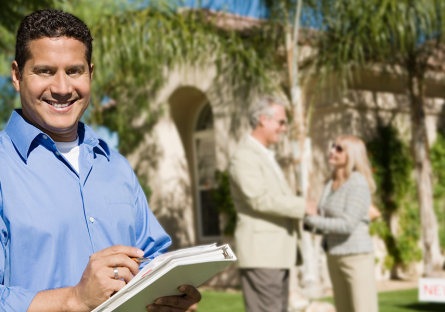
(267,211)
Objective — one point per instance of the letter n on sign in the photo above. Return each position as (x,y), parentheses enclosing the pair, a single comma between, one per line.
(432,289)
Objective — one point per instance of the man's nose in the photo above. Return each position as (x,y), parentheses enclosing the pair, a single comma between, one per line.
(61,87)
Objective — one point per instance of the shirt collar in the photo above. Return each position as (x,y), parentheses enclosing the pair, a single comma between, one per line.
(22,134)
(88,136)
(268,152)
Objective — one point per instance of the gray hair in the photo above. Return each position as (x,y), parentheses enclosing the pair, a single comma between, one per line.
(263,107)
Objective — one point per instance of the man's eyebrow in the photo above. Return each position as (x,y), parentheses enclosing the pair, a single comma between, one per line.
(40,67)
(80,67)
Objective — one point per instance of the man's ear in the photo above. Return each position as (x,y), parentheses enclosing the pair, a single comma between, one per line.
(15,73)
(261,121)
(91,70)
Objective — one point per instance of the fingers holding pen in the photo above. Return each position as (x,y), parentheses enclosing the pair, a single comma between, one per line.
(122,273)
(120,260)
(131,252)
(99,281)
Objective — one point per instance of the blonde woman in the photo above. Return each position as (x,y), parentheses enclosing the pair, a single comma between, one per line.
(343,219)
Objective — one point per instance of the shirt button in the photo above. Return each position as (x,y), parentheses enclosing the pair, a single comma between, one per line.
(57,153)
(91,219)
(45,137)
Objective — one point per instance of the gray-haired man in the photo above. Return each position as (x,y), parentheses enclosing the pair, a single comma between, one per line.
(266,231)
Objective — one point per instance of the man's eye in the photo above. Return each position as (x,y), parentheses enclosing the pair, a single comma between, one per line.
(44,71)
(74,72)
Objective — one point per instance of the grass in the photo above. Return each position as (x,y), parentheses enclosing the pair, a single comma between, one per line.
(393,301)
(218,301)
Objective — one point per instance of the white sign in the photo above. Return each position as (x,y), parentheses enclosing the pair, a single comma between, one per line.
(432,289)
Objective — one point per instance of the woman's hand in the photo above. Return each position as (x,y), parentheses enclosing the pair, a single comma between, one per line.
(374,213)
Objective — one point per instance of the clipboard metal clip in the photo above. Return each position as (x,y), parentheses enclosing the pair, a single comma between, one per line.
(225,253)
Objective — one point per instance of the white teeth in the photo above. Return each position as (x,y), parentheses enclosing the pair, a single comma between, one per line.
(55,104)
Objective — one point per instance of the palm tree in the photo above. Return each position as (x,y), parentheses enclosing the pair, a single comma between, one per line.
(404,38)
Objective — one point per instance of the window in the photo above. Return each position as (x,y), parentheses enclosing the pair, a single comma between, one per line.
(205,166)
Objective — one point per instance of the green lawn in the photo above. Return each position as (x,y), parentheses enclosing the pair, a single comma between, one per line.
(394,301)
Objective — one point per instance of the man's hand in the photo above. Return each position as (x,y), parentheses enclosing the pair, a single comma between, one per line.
(177,303)
(311,208)
(98,282)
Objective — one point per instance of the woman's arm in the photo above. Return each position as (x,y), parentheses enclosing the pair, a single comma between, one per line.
(357,205)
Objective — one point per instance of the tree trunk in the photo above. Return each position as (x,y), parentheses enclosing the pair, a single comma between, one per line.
(422,162)
(310,279)
(297,107)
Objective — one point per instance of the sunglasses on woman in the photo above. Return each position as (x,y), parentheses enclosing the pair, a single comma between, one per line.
(337,148)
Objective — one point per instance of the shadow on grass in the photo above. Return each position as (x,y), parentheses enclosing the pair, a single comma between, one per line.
(426,307)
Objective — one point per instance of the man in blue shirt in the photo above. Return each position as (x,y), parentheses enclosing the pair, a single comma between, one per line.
(72,210)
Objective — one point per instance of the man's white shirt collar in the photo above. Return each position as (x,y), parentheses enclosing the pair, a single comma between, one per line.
(270,155)
(268,152)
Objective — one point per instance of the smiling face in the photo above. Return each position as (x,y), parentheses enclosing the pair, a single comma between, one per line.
(337,155)
(273,127)
(55,86)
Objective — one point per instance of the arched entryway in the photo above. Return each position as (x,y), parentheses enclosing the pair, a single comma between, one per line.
(192,114)
(205,166)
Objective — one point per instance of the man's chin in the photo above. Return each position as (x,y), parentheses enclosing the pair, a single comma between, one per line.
(61,128)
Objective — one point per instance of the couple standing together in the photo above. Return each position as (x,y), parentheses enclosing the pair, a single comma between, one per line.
(267,228)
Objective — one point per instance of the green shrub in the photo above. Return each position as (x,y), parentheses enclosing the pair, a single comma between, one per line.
(393,167)
(223,200)
(437,154)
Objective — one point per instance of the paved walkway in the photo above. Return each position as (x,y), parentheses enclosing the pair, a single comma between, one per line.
(390,285)
(382,286)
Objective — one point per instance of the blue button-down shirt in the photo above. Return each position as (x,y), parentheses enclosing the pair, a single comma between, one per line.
(53,218)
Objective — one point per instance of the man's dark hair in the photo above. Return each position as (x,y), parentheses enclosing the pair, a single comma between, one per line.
(51,24)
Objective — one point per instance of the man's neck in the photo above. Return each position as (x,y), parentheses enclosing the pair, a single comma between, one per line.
(66,135)
(260,138)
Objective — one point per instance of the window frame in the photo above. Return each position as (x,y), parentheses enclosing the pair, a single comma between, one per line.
(201,134)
